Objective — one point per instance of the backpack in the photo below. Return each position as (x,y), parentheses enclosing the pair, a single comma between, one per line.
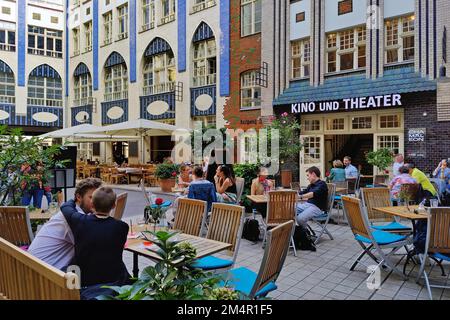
(304,239)
(251,230)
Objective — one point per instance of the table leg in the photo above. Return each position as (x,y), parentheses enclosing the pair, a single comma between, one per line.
(135,265)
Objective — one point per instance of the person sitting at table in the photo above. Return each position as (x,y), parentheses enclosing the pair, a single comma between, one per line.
(185,178)
(54,243)
(396,183)
(337,173)
(99,243)
(260,186)
(350,170)
(428,190)
(225,185)
(202,189)
(124,164)
(315,195)
(442,172)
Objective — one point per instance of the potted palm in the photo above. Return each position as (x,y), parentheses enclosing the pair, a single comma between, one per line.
(166,174)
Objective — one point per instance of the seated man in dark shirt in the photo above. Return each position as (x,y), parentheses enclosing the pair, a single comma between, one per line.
(99,243)
(316,196)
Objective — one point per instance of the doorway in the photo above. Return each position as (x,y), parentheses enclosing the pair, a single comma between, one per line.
(120,151)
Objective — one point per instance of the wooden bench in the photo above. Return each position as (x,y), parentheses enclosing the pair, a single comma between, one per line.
(24,277)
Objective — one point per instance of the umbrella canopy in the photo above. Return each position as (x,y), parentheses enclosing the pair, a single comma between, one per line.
(139,127)
(70,131)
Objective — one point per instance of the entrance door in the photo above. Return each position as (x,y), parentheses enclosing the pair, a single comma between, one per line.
(391,141)
(312,154)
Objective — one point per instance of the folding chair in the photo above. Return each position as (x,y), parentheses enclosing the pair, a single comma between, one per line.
(259,285)
(338,198)
(437,246)
(322,220)
(370,239)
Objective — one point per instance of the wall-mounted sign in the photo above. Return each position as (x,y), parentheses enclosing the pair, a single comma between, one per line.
(389,100)
(417,134)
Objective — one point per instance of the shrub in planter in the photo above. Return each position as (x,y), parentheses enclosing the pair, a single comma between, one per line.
(167,173)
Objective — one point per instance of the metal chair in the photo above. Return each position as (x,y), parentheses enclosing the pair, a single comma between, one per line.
(15,225)
(121,202)
(259,285)
(322,220)
(191,216)
(370,239)
(240,182)
(437,245)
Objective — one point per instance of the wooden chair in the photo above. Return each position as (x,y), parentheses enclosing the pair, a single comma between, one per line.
(105,174)
(149,176)
(437,245)
(281,207)
(226,224)
(191,216)
(322,220)
(15,225)
(116,176)
(370,239)
(121,202)
(412,190)
(24,277)
(259,285)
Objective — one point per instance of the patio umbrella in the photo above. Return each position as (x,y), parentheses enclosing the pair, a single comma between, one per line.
(70,131)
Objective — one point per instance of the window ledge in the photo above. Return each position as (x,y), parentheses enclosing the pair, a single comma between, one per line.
(249,109)
(344,72)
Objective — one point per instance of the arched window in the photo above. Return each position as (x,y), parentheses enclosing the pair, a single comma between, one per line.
(7,88)
(45,87)
(82,85)
(250,90)
(204,57)
(116,78)
(159,68)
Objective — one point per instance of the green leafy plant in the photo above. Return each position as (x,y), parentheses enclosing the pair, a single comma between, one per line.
(381,158)
(173,278)
(248,171)
(167,170)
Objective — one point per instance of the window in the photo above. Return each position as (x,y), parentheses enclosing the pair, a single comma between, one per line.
(301,58)
(250,17)
(45,91)
(390,121)
(82,89)
(311,125)
(399,35)
(148,14)
(36,16)
(107,28)
(42,41)
(362,123)
(346,50)
(311,146)
(345,6)
(299,17)
(167,11)
(6,10)
(204,63)
(54,19)
(250,90)
(200,5)
(335,124)
(116,82)
(159,73)
(76,41)
(7,40)
(391,142)
(123,22)
(107,2)
(88,36)
(7,87)
(88,11)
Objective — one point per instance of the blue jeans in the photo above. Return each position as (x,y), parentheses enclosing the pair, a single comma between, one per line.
(35,194)
(305,212)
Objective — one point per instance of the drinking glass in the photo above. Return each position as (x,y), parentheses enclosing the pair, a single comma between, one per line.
(434,203)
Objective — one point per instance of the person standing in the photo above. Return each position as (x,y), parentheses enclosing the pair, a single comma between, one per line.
(337,173)
(398,162)
(350,170)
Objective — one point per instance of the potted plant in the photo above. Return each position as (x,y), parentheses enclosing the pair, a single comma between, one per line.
(381,159)
(166,173)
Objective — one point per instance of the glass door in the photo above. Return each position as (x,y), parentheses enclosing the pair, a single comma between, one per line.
(312,154)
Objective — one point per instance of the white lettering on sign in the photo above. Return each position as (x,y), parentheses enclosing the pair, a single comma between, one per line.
(416,135)
(389,100)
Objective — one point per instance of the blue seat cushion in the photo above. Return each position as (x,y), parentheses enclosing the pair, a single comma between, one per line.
(441,256)
(164,204)
(211,263)
(337,198)
(394,225)
(242,279)
(370,186)
(381,237)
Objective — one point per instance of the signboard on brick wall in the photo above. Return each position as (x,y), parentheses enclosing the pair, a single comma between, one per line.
(417,134)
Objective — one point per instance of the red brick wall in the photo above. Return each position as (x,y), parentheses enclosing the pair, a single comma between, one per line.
(245,55)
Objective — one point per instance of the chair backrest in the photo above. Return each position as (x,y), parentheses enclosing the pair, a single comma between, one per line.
(226,224)
(240,182)
(24,277)
(281,206)
(352,184)
(376,197)
(274,255)
(144,192)
(121,202)
(191,216)
(380,179)
(331,195)
(438,230)
(353,210)
(15,225)
(342,184)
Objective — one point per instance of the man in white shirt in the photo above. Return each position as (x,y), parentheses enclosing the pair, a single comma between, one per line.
(398,162)
(350,171)
(54,243)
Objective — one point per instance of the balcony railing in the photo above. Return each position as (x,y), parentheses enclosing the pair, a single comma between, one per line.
(204,5)
(7,99)
(7,47)
(167,19)
(147,26)
(88,48)
(207,80)
(45,102)
(107,41)
(122,35)
(53,54)
(113,96)
(159,88)
(83,102)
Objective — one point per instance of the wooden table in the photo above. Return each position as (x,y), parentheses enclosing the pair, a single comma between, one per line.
(262,198)
(37,214)
(402,212)
(204,247)
(340,190)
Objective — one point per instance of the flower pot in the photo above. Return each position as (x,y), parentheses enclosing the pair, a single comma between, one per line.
(286,178)
(167,184)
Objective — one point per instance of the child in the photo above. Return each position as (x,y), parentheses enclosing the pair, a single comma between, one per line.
(99,243)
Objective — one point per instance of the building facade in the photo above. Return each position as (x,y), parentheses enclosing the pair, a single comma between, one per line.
(32,64)
(368,74)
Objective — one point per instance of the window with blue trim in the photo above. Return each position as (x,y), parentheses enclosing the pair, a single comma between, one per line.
(122,12)
(159,73)
(82,90)
(7,87)
(116,78)
(45,90)
(204,63)
(8,40)
(167,11)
